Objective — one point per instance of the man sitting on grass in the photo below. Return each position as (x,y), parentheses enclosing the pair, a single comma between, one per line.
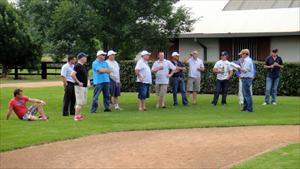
(18,105)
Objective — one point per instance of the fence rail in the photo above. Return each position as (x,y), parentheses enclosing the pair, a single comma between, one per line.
(42,71)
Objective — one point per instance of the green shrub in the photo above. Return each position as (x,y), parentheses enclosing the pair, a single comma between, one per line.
(289,83)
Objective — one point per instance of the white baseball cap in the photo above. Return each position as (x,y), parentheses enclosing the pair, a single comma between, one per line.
(101,52)
(111,52)
(144,52)
(175,54)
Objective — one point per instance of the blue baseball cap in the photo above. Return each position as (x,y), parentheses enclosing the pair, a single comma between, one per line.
(81,55)
(224,53)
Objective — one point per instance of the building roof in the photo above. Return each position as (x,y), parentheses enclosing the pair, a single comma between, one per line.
(261,4)
(224,18)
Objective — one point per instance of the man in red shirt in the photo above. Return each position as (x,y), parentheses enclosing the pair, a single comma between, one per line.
(18,105)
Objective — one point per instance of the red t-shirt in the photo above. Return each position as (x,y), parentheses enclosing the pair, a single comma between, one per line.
(19,106)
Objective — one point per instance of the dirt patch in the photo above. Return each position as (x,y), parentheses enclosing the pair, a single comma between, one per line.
(182,148)
(32,84)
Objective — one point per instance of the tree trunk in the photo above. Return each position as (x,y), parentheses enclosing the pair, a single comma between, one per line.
(5,71)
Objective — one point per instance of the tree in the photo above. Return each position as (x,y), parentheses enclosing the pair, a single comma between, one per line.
(123,25)
(16,45)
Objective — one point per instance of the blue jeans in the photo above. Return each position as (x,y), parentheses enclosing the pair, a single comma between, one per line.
(271,88)
(178,83)
(143,90)
(247,82)
(104,87)
(221,87)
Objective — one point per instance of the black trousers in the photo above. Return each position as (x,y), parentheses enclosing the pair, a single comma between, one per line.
(221,87)
(69,100)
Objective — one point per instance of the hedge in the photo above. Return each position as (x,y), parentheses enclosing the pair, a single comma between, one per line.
(289,82)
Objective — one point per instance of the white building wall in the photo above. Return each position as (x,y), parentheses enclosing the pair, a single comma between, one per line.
(187,45)
(288,47)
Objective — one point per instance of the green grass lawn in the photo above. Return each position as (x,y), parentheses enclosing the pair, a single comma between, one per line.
(17,134)
(287,157)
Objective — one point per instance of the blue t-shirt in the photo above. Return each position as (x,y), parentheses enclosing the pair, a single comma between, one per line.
(100,77)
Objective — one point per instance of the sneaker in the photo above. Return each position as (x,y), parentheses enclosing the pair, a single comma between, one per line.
(118,109)
(78,118)
(265,104)
(107,110)
(274,103)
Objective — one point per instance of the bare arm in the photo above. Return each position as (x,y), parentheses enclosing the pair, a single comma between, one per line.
(36,101)
(73,75)
(186,60)
(104,70)
(268,67)
(137,72)
(216,70)
(9,112)
(65,83)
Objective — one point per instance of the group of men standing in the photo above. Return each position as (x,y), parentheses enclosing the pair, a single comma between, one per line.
(106,79)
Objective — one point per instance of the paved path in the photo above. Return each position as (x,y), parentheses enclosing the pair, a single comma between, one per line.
(32,84)
(182,148)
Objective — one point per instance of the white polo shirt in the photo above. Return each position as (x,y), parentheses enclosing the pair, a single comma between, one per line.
(223,66)
(145,71)
(66,71)
(115,68)
(161,75)
(194,64)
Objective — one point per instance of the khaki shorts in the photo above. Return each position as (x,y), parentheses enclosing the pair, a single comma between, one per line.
(193,84)
(161,89)
(81,95)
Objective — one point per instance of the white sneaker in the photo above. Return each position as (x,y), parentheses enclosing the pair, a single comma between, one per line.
(118,109)
(274,103)
(265,104)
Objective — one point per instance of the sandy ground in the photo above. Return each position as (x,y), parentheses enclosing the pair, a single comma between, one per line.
(182,148)
(32,84)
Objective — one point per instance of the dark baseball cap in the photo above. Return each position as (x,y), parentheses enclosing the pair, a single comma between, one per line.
(81,55)
(224,53)
(275,50)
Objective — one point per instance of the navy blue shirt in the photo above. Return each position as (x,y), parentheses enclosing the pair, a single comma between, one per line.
(178,64)
(273,72)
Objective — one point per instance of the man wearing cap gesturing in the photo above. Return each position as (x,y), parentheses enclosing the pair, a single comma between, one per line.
(162,68)
(177,80)
(114,76)
(196,66)
(80,75)
(224,72)
(144,79)
(247,75)
(101,72)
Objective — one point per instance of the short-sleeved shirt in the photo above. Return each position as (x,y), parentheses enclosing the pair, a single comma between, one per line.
(178,64)
(194,64)
(145,71)
(238,72)
(66,71)
(19,106)
(81,74)
(273,72)
(97,76)
(223,66)
(115,74)
(161,75)
(247,64)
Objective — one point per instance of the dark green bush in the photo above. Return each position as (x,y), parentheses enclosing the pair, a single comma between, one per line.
(289,83)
